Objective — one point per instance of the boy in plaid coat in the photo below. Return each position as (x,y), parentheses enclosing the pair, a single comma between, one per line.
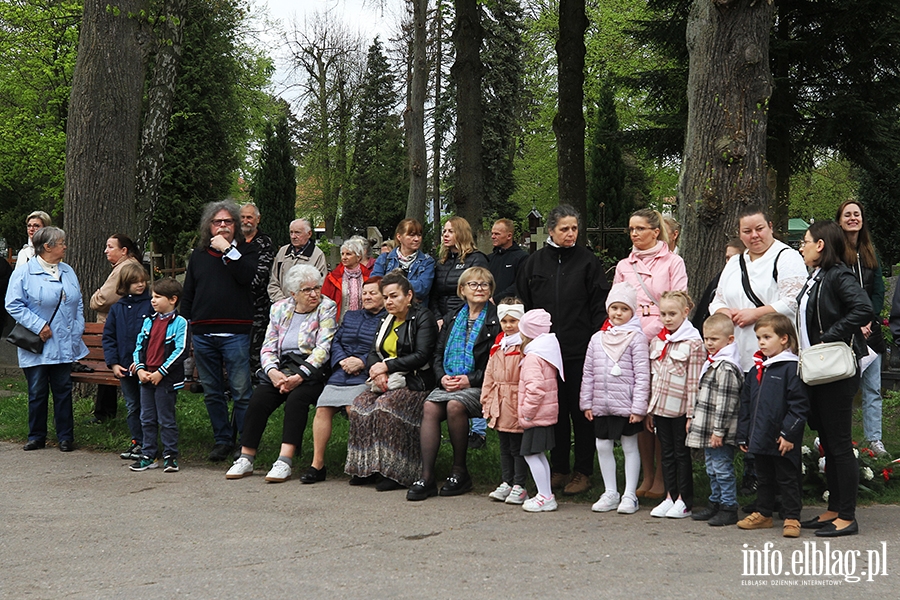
(714,423)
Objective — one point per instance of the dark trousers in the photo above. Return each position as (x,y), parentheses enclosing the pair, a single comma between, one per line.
(42,379)
(106,403)
(778,475)
(158,417)
(266,398)
(572,420)
(832,416)
(678,473)
(512,464)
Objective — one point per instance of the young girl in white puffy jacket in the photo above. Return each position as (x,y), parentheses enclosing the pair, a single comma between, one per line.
(615,391)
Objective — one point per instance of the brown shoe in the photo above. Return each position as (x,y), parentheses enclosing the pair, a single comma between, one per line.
(755,521)
(791,528)
(558,480)
(580,483)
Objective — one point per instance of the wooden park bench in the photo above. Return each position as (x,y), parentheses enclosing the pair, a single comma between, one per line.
(102,375)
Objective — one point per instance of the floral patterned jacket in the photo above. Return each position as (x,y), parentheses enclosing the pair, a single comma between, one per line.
(315,336)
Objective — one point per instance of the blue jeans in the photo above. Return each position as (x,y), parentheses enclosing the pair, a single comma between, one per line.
(41,380)
(722,481)
(870,388)
(479,426)
(158,416)
(211,354)
(131,390)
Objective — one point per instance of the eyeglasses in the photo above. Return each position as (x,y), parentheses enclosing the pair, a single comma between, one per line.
(310,290)
(223,222)
(805,242)
(637,230)
(478,285)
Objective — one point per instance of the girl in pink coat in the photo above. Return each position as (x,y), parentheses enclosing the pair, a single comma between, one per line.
(615,391)
(538,402)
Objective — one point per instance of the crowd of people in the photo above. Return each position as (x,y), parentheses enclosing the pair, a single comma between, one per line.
(541,347)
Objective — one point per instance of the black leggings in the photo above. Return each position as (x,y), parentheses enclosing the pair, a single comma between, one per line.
(678,473)
(266,398)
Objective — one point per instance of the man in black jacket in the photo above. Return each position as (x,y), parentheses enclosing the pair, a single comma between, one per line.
(219,305)
(504,261)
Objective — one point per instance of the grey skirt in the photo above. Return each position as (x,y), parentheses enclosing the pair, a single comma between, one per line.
(340,395)
(537,440)
(469,397)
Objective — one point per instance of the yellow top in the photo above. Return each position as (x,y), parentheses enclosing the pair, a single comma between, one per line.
(390,340)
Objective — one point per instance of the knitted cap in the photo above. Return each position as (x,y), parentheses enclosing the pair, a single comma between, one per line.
(624,293)
(535,322)
(513,310)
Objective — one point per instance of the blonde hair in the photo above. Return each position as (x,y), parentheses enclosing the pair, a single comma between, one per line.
(679,296)
(780,326)
(719,323)
(655,220)
(465,243)
(475,273)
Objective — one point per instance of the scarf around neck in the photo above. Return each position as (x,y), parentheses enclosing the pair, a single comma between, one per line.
(650,253)
(761,362)
(547,347)
(616,339)
(729,353)
(686,332)
(459,354)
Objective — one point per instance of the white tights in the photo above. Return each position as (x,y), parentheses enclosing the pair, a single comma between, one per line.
(608,463)
(540,472)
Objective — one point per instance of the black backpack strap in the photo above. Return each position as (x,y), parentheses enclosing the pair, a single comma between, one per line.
(775,268)
(745,281)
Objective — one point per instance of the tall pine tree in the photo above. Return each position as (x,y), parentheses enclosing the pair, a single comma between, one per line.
(274,186)
(378,178)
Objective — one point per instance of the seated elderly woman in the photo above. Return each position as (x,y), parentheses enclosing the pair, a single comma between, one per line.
(460,359)
(384,422)
(294,360)
(349,350)
(344,283)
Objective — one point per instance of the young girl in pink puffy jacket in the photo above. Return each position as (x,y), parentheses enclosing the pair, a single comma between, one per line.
(538,402)
(615,391)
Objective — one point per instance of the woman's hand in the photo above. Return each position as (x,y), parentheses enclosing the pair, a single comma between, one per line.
(118,371)
(45,333)
(289,383)
(454,383)
(377,369)
(352,365)
(381,381)
(276,377)
(746,316)
(866,330)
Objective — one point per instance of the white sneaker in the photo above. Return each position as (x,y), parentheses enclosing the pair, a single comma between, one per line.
(501,493)
(629,505)
(540,503)
(607,502)
(241,468)
(877,447)
(517,495)
(663,508)
(678,510)
(279,472)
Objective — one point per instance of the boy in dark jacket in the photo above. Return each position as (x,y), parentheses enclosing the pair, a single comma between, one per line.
(773,413)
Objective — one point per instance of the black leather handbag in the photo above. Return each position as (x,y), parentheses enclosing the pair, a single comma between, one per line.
(24,338)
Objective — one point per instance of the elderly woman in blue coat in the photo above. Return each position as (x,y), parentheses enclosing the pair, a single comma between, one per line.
(45,298)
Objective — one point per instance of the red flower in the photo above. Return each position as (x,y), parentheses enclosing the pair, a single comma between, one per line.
(869,452)
(886,473)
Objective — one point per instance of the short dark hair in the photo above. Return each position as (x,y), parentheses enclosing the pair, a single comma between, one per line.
(833,236)
(561,211)
(780,325)
(396,277)
(127,243)
(131,272)
(754,209)
(168,287)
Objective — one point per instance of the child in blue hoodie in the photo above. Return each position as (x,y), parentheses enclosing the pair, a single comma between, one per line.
(119,335)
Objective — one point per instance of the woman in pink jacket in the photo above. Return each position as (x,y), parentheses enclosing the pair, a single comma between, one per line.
(538,402)
(651,269)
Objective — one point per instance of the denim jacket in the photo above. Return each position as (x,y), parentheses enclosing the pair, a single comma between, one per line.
(420,276)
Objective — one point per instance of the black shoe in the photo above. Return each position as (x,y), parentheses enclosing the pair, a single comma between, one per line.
(388,485)
(749,485)
(66,446)
(476,441)
(421,490)
(219,452)
(313,475)
(815,523)
(368,480)
(34,445)
(727,515)
(707,513)
(829,530)
(456,485)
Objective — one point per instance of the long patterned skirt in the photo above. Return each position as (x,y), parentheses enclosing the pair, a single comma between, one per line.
(384,435)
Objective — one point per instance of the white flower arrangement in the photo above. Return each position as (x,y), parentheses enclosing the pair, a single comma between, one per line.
(822,465)
(825,495)
(867,473)
(803,468)
(804,450)
(856,453)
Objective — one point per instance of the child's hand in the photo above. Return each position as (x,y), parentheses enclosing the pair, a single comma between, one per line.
(635,418)
(589,415)
(118,371)
(784,446)
(155,377)
(743,448)
(715,441)
(143,376)
(132,368)
(648,423)
(687,426)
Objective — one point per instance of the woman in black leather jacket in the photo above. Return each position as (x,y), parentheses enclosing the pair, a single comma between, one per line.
(833,307)
(460,359)
(383,443)
(458,253)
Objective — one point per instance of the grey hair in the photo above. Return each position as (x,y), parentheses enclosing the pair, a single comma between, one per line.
(300,274)
(210,211)
(356,245)
(39,214)
(561,211)
(306,223)
(50,236)
(253,206)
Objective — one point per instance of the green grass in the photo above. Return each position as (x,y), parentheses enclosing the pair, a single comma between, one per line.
(195,442)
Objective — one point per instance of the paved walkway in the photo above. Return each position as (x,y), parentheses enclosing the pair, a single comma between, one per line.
(81,525)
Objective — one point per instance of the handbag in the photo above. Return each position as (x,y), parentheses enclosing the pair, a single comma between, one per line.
(395,382)
(24,338)
(826,362)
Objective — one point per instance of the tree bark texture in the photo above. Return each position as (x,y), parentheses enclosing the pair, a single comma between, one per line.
(724,168)
(414,117)
(568,124)
(437,142)
(103,135)
(468,192)
(155,129)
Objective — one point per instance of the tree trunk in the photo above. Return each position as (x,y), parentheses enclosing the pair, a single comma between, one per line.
(438,126)
(780,136)
(414,117)
(724,167)
(103,135)
(568,124)
(160,95)
(468,191)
